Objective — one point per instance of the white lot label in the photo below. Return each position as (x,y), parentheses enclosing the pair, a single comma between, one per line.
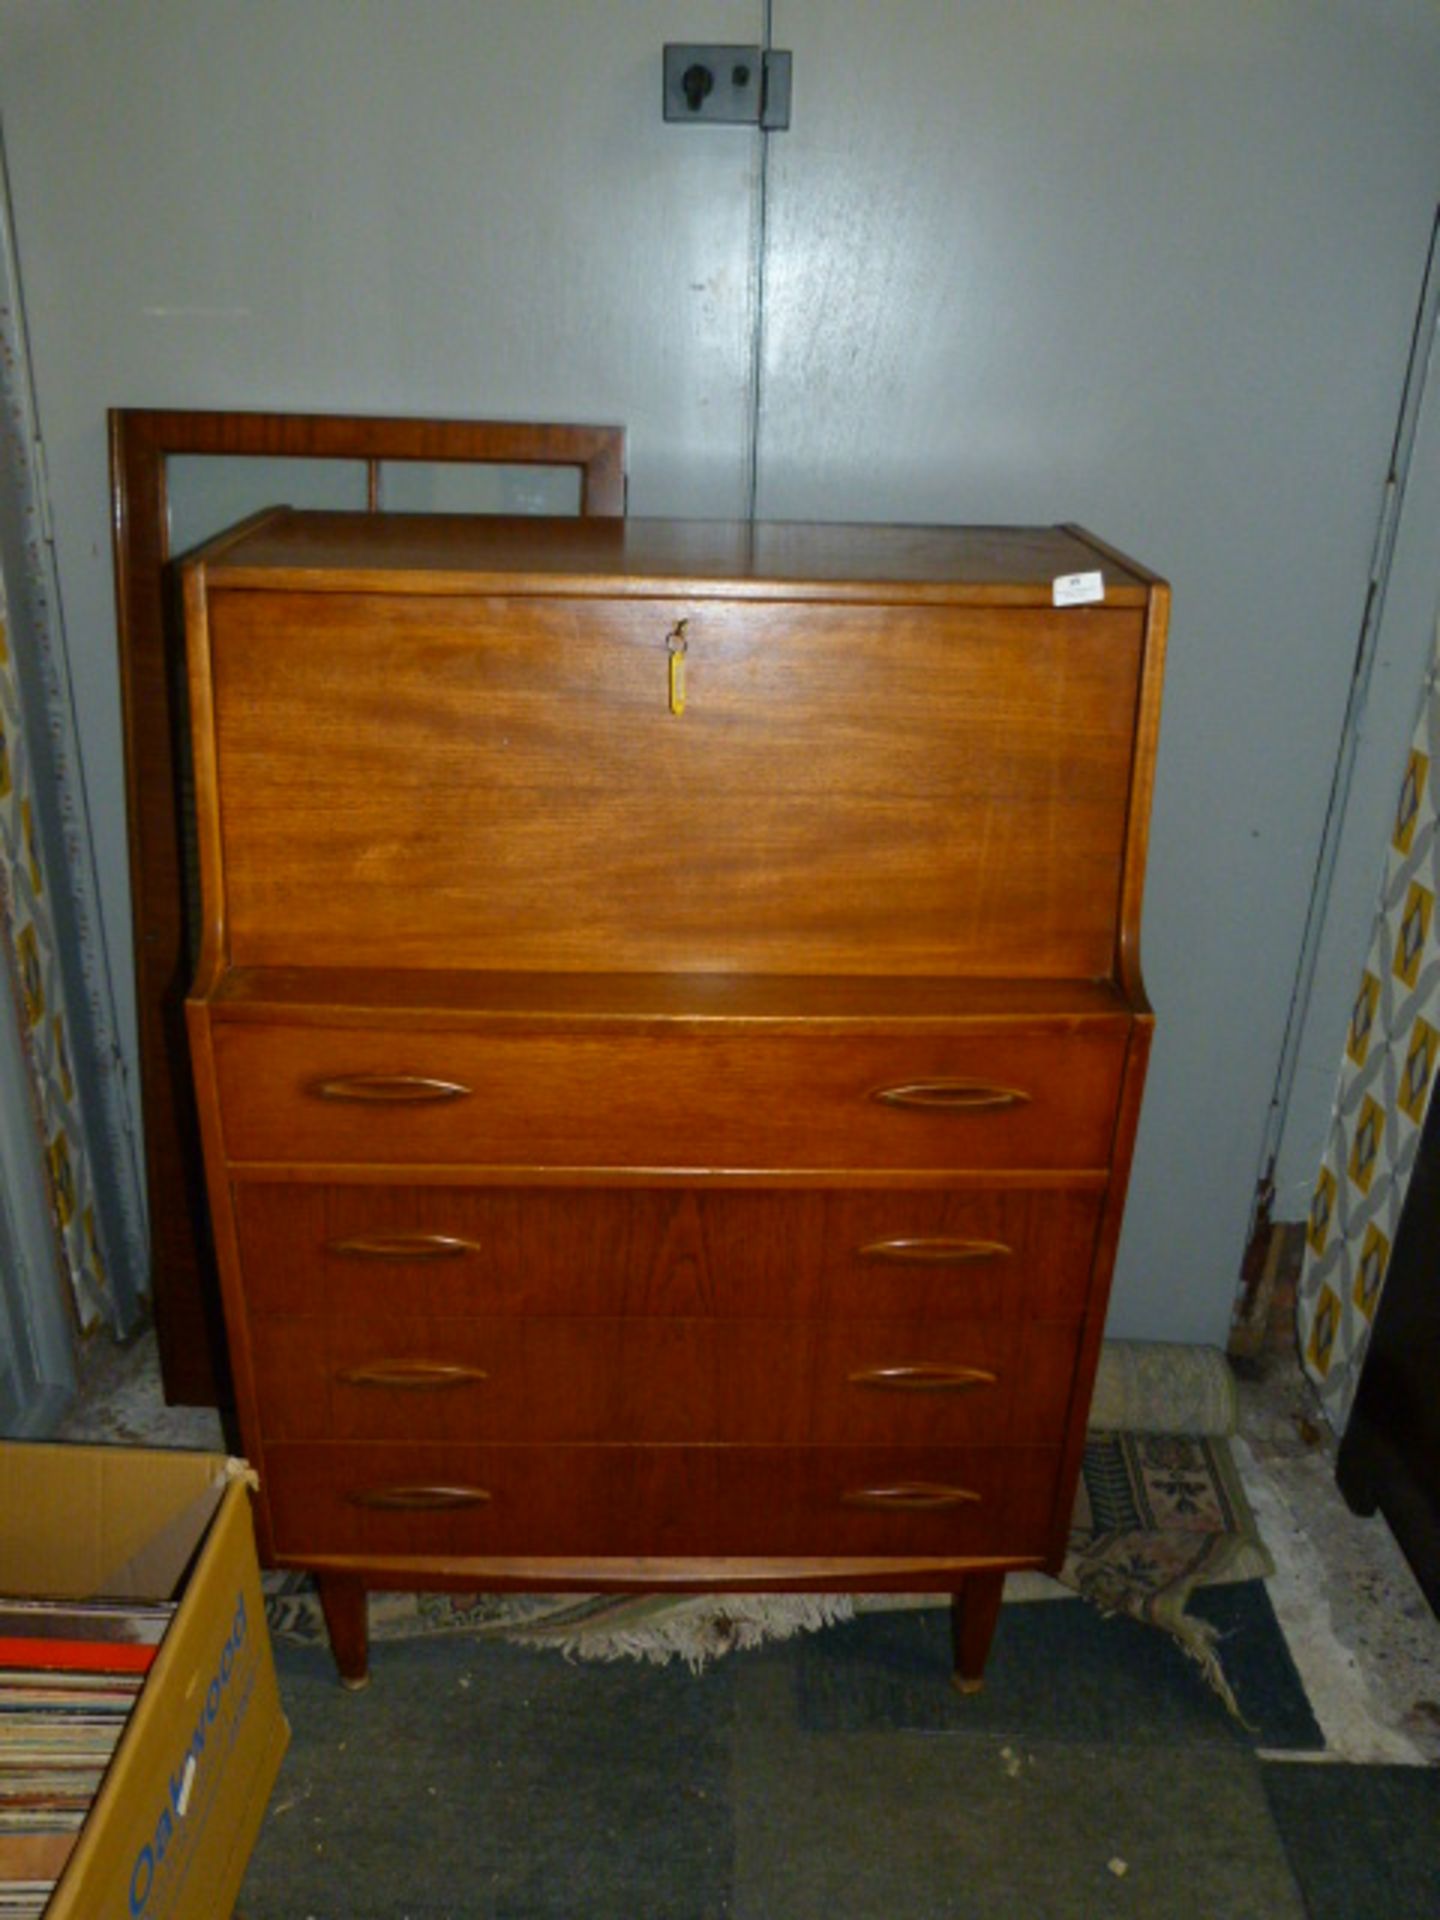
(1078,589)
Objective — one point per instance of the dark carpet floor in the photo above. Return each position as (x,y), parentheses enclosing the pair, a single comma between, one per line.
(838,1776)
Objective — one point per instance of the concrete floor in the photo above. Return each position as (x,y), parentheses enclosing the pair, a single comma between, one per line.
(1364,1639)
(1362,1634)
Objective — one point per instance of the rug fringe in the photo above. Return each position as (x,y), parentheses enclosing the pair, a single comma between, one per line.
(696,1632)
(1201,1640)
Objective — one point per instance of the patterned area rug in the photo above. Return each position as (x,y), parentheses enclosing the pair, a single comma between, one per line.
(1158,1386)
(1156,1516)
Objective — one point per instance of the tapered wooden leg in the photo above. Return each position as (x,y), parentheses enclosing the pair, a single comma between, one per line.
(342,1600)
(973,1612)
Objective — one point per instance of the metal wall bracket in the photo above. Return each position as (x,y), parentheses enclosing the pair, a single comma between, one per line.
(727,86)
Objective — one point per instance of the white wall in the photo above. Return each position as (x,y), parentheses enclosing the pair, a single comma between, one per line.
(1150,264)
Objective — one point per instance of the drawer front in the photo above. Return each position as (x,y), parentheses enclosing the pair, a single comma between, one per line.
(1027,1098)
(728,1381)
(449,1503)
(453,1251)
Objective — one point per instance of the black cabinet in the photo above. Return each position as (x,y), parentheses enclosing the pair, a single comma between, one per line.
(1390,1455)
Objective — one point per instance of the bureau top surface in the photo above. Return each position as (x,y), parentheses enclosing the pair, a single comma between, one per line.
(462,553)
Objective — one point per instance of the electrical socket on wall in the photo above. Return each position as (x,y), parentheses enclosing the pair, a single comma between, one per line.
(727,86)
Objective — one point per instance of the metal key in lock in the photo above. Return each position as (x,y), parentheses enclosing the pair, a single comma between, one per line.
(675,645)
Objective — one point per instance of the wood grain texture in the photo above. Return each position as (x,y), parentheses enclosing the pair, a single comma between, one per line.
(431,555)
(141,442)
(239,1371)
(974,1612)
(951,802)
(412,998)
(776,1101)
(938,1572)
(685,1250)
(656,1147)
(342,1600)
(1112,1217)
(657,1500)
(731,1382)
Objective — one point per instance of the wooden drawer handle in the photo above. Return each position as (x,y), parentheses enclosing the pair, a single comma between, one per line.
(417,1499)
(936,1250)
(951,1096)
(925,1377)
(388,1089)
(410,1374)
(402,1246)
(914,1496)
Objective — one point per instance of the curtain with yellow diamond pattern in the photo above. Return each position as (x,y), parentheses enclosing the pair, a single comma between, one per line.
(1384,1087)
(36,1004)
(55,986)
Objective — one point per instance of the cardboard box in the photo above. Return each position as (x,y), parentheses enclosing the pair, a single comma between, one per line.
(169,1836)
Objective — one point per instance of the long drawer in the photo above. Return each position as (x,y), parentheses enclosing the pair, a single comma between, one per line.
(1025,1097)
(855,1382)
(458,1251)
(448,1503)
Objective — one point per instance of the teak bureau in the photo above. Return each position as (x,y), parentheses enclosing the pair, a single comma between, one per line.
(669,1040)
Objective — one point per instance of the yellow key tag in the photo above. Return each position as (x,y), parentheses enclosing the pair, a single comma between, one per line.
(676,645)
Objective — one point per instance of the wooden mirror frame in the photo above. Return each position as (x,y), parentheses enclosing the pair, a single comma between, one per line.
(184,1294)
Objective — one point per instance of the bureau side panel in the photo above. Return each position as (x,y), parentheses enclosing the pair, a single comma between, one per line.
(228,1256)
(512,783)
(1112,1216)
